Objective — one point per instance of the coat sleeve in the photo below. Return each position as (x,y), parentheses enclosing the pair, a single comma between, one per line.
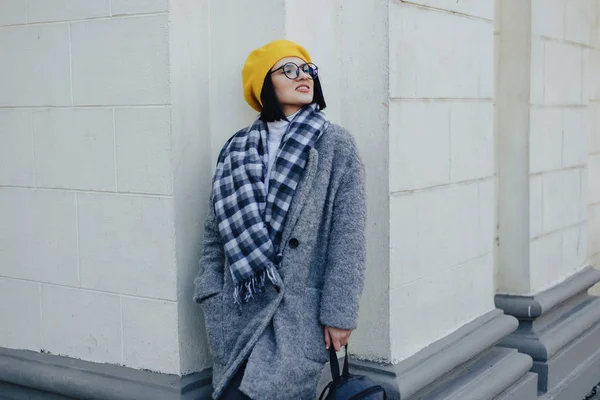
(209,280)
(344,272)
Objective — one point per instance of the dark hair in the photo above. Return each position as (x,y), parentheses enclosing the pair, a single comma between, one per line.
(271,109)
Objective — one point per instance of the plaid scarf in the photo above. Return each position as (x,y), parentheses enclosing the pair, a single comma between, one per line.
(250,223)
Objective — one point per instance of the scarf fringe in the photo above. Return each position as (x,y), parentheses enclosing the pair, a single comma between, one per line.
(255,284)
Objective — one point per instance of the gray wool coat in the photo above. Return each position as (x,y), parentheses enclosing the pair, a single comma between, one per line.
(280,333)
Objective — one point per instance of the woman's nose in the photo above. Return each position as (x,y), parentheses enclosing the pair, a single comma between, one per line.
(303,75)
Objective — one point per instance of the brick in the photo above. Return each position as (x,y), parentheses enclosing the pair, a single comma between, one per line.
(596,32)
(546,138)
(471,132)
(16,156)
(20,315)
(547,18)
(594,140)
(38,235)
(419,144)
(439,55)
(404,240)
(545,261)
(584,193)
(487,215)
(563,73)
(579,20)
(23,80)
(150,337)
(13,12)
(65,10)
(561,199)
(593,82)
(574,248)
(74,149)
(536,212)
(594,179)
(448,231)
(92,322)
(471,293)
(144,150)
(127,245)
(127,65)
(474,291)
(575,137)
(537,70)
(121,7)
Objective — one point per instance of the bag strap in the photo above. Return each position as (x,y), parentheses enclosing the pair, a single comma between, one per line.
(346,372)
(335,366)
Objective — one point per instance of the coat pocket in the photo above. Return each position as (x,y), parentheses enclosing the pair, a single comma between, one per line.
(212,307)
(314,338)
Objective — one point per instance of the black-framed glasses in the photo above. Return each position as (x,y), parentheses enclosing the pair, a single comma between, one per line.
(292,70)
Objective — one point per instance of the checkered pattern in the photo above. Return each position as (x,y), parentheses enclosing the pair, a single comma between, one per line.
(251,224)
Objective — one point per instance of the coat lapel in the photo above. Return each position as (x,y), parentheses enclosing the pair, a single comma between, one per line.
(301,195)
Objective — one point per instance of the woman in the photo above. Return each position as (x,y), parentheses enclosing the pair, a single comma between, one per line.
(284,247)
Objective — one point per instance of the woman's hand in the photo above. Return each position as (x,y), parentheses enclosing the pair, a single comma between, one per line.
(337,337)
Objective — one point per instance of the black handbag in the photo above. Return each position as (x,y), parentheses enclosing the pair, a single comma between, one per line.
(347,386)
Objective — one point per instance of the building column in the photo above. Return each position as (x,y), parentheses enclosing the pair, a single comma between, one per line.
(443,326)
(542,115)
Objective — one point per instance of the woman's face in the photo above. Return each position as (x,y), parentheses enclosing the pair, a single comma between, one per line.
(292,94)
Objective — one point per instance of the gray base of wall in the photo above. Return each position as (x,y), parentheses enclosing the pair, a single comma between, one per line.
(26,374)
(560,329)
(464,365)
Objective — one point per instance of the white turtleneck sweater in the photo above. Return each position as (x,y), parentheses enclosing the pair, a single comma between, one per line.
(276,130)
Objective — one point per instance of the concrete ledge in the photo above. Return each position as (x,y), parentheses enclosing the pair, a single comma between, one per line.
(463,365)
(536,305)
(561,332)
(547,335)
(525,388)
(70,377)
(560,367)
(579,382)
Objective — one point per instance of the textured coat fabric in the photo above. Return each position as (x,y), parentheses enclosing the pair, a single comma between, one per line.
(280,333)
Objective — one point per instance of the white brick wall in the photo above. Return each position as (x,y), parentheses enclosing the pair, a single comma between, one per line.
(91,320)
(150,334)
(38,73)
(16,160)
(441,169)
(74,149)
(39,235)
(436,308)
(121,61)
(561,117)
(14,12)
(20,312)
(87,240)
(143,150)
(437,54)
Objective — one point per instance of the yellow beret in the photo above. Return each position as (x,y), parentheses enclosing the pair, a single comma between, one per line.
(260,61)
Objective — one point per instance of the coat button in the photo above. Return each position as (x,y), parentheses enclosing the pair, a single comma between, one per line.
(293,242)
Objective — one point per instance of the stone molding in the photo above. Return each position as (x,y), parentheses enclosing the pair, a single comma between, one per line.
(560,329)
(464,365)
(83,379)
(535,305)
